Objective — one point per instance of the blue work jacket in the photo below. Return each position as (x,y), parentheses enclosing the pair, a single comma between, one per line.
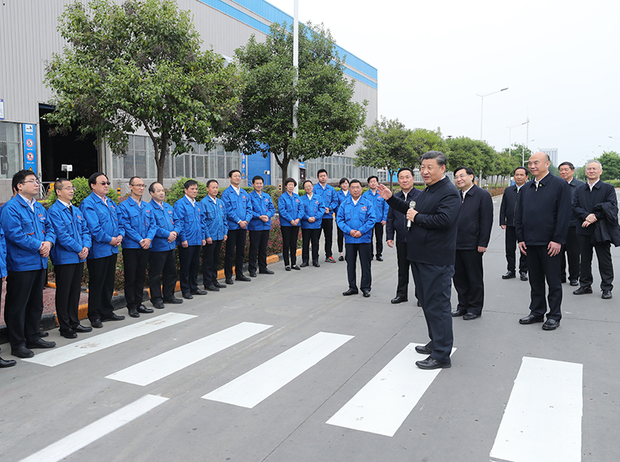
(163,216)
(190,221)
(380,206)
(328,194)
(289,208)
(340,198)
(312,208)
(25,231)
(71,234)
(136,220)
(238,207)
(102,221)
(261,205)
(216,226)
(2,254)
(359,217)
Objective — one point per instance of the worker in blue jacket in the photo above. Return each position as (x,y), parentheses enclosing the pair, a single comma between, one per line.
(189,218)
(136,220)
(102,219)
(328,193)
(238,213)
(314,209)
(3,362)
(162,257)
(356,218)
(29,239)
(259,227)
(341,195)
(216,232)
(68,256)
(291,211)
(381,211)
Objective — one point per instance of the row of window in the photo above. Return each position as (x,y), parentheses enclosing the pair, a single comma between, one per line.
(10,149)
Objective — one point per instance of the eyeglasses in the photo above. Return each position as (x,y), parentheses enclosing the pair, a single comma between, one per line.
(31,181)
(138,185)
(105,183)
(69,188)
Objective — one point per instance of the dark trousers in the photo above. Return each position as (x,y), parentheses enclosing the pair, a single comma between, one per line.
(189,261)
(68,287)
(308,236)
(570,250)
(210,262)
(23,306)
(377,235)
(340,238)
(469,281)
(434,286)
(235,251)
(605,265)
(289,244)
(542,266)
(162,269)
(327,225)
(402,288)
(258,250)
(101,273)
(365,252)
(135,262)
(511,247)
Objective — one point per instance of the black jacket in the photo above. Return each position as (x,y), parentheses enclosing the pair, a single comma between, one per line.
(508,209)
(396,221)
(607,228)
(543,215)
(432,238)
(585,200)
(574,184)
(475,220)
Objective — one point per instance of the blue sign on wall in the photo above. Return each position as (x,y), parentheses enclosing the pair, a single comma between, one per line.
(30,148)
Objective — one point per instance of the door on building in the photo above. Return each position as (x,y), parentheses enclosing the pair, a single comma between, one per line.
(259,165)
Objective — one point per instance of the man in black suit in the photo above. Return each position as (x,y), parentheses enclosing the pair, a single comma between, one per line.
(543,215)
(586,198)
(472,240)
(431,245)
(507,212)
(571,248)
(396,223)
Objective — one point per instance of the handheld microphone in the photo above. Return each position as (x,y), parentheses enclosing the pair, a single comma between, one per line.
(411,207)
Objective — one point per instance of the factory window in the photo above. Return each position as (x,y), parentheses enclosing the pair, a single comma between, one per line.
(10,149)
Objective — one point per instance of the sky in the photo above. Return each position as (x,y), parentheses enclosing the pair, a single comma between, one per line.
(560,61)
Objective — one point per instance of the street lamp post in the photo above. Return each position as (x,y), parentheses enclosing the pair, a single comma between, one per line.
(482,106)
(510,136)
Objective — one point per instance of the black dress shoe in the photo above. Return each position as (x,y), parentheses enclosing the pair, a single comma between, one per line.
(252,274)
(219,285)
(531,319)
(229,281)
(366,293)
(159,304)
(40,343)
(340,258)
(423,349)
(509,275)
(266,271)
(243,278)
(457,313)
(430,363)
(295,267)
(379,258)
(7,363)
(398,299)
(188,296)
(199,292)
(114,317)
(43,334)
(212,288)
(80,329)
(96,323)
(419,303)
(287,268)
(173,300)
(134,313)
(583,290)
(69,334)
(316,264)
(606,295)
(22,352)
(523,276)
(574,282)
(470,316)
(350,292)
(144,309)
(304,264)
(551,324)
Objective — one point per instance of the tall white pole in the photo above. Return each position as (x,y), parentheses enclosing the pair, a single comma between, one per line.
(294,164)
(482,106)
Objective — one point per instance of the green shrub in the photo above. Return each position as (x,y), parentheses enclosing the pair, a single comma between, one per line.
(614,183)
(82,190)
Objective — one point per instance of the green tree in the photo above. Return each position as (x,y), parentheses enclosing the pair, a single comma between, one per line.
(610,161)
(423,140)
(476,154)
(519,153)
(139,65)
(386,144)
(328,121)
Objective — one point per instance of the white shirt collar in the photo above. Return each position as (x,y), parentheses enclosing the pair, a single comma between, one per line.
(30,202)
(191,201)
(592,185)
(66,204)
(237,190)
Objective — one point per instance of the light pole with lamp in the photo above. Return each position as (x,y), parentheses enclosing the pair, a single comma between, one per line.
(510,136)
(482,106)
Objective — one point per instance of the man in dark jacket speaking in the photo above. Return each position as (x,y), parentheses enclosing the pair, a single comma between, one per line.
(431,244)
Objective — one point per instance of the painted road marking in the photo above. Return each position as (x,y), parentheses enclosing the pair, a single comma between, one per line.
(100,342)
(96,430)
(542,420)
(172,361)
(384,403)
(261,382)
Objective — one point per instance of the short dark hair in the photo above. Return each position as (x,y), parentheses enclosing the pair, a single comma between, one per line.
(321,170)
(439,156)
(371,177)
(570,165)
(92,180)
(342,180)
(468,170)
(133,178)
(527,172)
(190,183)
(20,176)
(355,181)
(404,169)
(152,186)
(58,184)
(290,180)
(230,174)
(304,183)
(212,181)
(258,177)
